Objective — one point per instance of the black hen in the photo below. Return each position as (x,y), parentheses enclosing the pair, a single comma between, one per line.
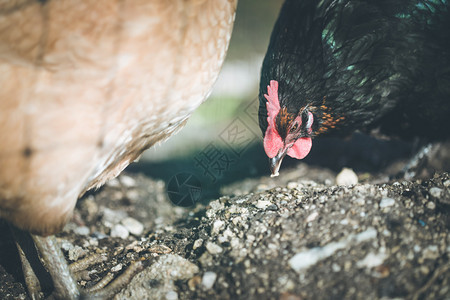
(341,66)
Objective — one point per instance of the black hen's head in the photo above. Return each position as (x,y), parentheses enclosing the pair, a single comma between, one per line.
(339,66)
(285,132)
(292,89)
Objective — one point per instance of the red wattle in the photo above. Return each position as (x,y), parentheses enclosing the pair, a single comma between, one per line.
(300,148)
(272,142)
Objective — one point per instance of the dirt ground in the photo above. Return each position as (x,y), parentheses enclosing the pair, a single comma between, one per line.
(297,236)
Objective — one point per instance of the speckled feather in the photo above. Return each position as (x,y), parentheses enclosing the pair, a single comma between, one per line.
(363,65)
(88,85)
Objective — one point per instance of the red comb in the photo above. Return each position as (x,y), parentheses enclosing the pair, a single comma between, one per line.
(272,140)
(273,104)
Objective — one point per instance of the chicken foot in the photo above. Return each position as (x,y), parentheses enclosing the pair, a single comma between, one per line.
(62,275)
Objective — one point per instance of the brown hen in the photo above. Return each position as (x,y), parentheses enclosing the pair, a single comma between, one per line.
(87,86)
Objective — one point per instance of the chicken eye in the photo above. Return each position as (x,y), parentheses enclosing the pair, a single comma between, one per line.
(294,128)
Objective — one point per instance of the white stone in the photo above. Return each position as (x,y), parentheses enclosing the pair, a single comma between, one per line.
(208,279)
(312,217)
(133,226)
(263,204)
(436,192)
(372,260)
(309,257)
(347,177)
(81,230)
(197,244)
(117,268)
(386,202)
(113,216)
(213,248)
(171,295)
(119,231)
(218,226)
(127,181)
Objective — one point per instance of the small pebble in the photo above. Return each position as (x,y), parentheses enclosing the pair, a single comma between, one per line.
(213,248)
(171,295)
(208,279)
(91,242)
(424,270)
(127,181)
(347,177)
(113,216)
(431,205)
(117,268)
(133,226)
(113,182)
(344,222)
(386,202)
(99,235)
(217,226)
(263,204)
(197,244)
(119,231)
(292,185)
(436,192)
(66,245)
(81,230)
(335,267)
(360,201)
(372,260)
(312,217)
(133,195)
(272,207)
(76,252)
(216,205)
(431,252)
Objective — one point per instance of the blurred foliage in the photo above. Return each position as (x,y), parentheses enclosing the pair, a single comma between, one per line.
(252,28)
(236,87)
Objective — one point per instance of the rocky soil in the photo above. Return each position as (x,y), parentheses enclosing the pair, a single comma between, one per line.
(298,236)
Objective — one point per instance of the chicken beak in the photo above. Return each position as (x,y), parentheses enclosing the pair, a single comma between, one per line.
(275,162)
